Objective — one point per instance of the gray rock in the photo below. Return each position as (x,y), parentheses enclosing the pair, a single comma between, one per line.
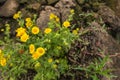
(110,46)
(64,7)
(61,9)
(34,6)
(115,5)
(109,17)
(100,44)
(9,8)
(106,42)
(43,19)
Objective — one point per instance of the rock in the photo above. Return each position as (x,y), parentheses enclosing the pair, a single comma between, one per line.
(43,1)
(52,1)
(61,9)
(43,19)
(1,1)
(109,17)
(96,43)
(26,13)
(106,42)
(115,5)
(9,8)
(64,7)
(116,66)
(34,6)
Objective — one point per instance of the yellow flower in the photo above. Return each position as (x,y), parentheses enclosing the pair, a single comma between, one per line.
(2,30)
(50,60)
(37,65)
(24,37)
(59,47)
(35,30)
(11,64)
(52,16)
(47,30)
(77,29)
(38,53)
(54,66)
(3,62)
(0,51)
(57,61)
(29,24)
(31,48)
(20,31)
(66,24)
(17,15)
(19,12)
(41,51)
(57,19)
(72,11)
(48,40)
(28,19)
(1,54)
(35,55)
(8,57)
(75,32)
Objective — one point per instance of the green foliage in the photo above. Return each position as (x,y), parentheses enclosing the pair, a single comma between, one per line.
(96,69)
(47,54)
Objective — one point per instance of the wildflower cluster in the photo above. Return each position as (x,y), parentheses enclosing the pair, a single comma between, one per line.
(42,51)
(2,59)
(17,15)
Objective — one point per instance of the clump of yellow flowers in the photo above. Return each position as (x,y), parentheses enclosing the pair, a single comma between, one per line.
(38,53)
(3,60)
(42,50)
(17,15)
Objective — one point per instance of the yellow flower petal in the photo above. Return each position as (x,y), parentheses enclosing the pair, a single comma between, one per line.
(40,50)
(47,30)
(17,15)
(52,16)
(3,62)
(24,37)
(35,30)
(35,55)
(28,19)
(75,32)
(72,11)
(0,51)
(66,24)
(29,24)
(31,48)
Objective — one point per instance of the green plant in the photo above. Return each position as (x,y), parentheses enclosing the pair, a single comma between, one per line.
(96,69)
(36,49)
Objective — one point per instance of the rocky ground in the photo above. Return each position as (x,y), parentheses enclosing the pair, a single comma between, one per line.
(103,13)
